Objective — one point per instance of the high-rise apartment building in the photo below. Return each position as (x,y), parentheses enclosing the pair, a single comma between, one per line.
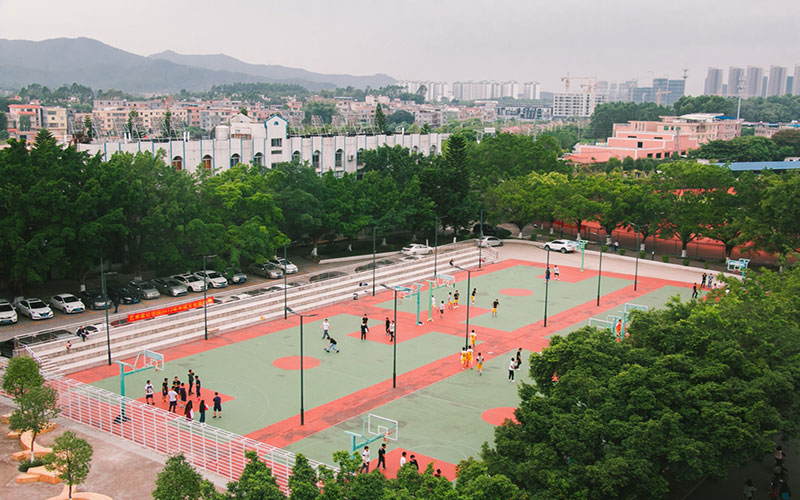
(735,76)
(753,82)
(580,104)
(531,90)
(776,84)
(713,85)
(796,80)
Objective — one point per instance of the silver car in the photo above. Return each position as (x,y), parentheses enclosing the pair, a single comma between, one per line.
(146,288)
(171,287)
(267,270)
(191,282)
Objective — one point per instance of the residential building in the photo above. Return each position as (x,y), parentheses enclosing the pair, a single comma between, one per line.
(26,120)
(753,83)
(267,143)
(796,80)
(576,104)
(673,135)
(713,84)
(777,81)
(531,91)
(735,76)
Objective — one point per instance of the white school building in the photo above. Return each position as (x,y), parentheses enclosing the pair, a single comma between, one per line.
(266,143)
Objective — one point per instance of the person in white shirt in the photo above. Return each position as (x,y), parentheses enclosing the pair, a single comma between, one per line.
(173,400)
(325,328)
(365,460)
(148,393)
(511,368)
(403,459)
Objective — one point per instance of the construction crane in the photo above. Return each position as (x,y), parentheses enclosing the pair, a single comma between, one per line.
(659,93)
(590,86)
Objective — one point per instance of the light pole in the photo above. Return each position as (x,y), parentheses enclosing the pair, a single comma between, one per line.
(435,244)
(546,285)
(600,267)
(106,307)
(636,272)
(302,408)
(205,296)
(469,278)
(394,337)
(374,230)
(285,287)
(480,245)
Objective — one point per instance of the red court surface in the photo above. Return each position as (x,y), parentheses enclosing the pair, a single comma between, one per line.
(393,462)
(493,343)
(206,394)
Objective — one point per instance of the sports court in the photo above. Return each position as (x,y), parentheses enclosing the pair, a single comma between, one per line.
(443,412)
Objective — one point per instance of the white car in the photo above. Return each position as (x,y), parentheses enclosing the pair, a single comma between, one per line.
(191,282)
(490,241)
(67,303)
(417,249)
(34,309)
(562,246)
(213,279)
(280,261)
(8,315)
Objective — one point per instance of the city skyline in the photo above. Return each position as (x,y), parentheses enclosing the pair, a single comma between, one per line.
(442,40)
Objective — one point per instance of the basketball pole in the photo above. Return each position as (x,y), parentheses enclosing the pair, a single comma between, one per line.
(546,286)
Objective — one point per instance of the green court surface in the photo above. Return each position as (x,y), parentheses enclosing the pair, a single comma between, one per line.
(514,311)
(265,394)
(653,300)
(442,420)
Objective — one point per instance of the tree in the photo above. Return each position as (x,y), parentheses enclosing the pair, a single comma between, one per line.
(71,458)
(256,481)
(782,138)
(324,110)
(606,115)
(380,118)
(303,481)
(133,123)
(166,125)
(512,201)
(22,374)
(35,408)
(774,225)
(399,117)
(178,480)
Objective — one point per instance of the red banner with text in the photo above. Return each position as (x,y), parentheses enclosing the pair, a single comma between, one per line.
(168,310)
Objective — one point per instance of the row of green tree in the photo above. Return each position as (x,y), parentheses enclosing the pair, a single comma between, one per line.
(782,144)
(683,199)
(774,109)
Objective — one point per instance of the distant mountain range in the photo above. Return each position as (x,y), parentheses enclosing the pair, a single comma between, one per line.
(89,62)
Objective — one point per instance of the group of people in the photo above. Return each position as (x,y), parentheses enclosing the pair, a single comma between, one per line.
(467,355)
(706,281)
(404,459)
(178,395)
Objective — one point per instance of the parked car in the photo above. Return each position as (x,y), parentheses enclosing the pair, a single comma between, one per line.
(280,261)
(235,276)
(146,288)
(563,246)
(267,270)
(171,287)
(490,241)
(213,279)
(8,315)
(487,230)
(94,299)
(124,294)
(417,249)
(67,303)
(34,309)
(192,282)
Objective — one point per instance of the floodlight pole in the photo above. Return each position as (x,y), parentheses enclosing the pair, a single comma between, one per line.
(302,406)
(105,306)
(546,285)
(374,231)
(636,272)
(284,282)
(599,268)
(205,297)
(435,244)
(469,284)
(480,245)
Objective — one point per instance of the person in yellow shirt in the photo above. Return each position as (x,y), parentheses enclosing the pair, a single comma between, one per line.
(472,337)
(469,358)
(463,357)
(479,364)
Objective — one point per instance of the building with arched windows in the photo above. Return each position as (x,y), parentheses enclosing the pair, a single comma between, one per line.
(267,143)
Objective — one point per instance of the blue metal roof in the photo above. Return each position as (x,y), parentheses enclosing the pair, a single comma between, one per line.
(742,166)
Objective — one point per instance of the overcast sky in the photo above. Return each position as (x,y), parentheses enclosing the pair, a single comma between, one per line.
(446,40)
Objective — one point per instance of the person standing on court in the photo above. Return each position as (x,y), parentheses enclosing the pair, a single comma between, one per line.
(381,457)
(326,329)
(202,409)
(555,273)
(188,412)
(364,461)
(364,330)
(391,331)
(494,307)
(472,338)
(191,381)
(164,390)
(441,310)
(547,274)
(694,291)
(479,363)
(388,323)
(217,405)
(519,358)
(182,392)
(511,369)
(197,385)
(402,459)
(455,299)
(703,279)
(413,462)
(474,293)
(173,400)
(148,394)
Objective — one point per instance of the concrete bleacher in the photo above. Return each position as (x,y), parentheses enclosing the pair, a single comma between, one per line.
(244,310)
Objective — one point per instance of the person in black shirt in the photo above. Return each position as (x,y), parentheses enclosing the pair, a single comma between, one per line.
(382,456)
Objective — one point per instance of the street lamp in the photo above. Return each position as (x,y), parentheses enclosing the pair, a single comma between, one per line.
(374,230)
(600,267)
(394,337)
(302,409)
(285,288)
(480,245)
(435,244)
(469,278)
(106,306)
(636,272)
(205,296)
(546,285)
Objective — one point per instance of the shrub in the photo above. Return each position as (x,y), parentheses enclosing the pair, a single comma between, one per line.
(622,251)
(604,248)
(24,465)
(503,233)
(705,265)
(642,254)
(685,262)
(665,258)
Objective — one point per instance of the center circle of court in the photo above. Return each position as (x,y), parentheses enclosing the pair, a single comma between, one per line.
(516,292)
(496,416)
(293,362)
